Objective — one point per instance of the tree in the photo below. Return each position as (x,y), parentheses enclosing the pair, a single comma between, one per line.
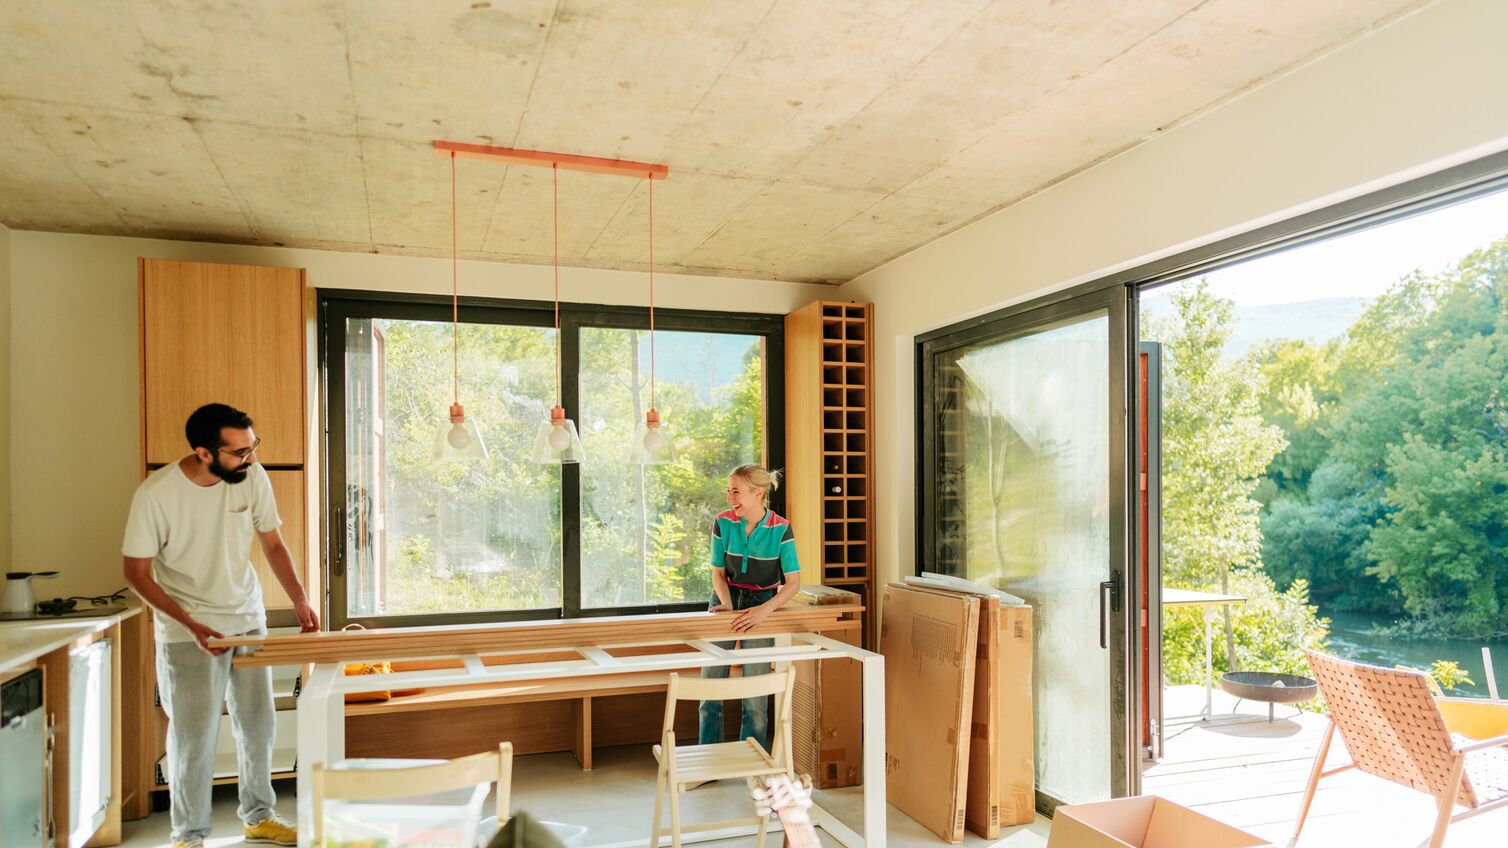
(1405,512)
(1215,449)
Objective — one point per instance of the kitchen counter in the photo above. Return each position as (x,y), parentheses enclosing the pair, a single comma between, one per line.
(24,640)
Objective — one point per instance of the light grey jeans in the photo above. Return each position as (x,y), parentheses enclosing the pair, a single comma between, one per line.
(194,685)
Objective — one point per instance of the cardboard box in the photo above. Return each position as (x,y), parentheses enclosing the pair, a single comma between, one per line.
(1145,821)
(1002,766)
(929,642)
(827,730)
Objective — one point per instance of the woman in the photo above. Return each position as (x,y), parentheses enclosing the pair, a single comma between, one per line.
(754,569)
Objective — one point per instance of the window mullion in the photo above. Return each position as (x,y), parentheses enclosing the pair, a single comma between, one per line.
(570,473)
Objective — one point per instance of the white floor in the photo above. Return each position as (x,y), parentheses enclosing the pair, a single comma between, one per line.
(614,801)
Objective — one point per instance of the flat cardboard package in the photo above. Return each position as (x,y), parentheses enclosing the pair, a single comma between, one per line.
(929,641)
(1145,821)
(827,729)
(1002,767)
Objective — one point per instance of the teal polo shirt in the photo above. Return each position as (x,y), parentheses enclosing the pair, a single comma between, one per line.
(758,560)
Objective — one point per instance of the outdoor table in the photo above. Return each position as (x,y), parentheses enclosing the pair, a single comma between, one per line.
(1209,600)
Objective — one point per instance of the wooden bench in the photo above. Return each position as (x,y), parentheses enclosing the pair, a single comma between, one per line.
(535,717)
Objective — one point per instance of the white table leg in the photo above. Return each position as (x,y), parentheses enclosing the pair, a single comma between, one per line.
(321,739)
(1209,668)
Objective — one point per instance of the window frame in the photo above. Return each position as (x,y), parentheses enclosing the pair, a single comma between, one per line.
(337,305)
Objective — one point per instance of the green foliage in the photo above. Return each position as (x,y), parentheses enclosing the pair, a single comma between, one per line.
(1272,631)
(1449,674)
(1405,505)
(1215,449)
(1215,446)
(486,536)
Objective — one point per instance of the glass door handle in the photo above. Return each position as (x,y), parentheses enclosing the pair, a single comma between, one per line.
(1112,588)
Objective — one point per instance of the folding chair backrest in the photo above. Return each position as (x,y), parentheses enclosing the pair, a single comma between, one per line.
(778,683)
(730,688)
(1390,724)
(404,782)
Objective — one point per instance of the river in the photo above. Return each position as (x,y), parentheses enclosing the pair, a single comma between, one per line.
(1351,637)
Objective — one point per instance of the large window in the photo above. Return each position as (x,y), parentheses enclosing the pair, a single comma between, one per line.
(418,539)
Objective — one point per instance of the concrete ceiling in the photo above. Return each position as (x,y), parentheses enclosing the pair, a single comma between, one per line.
(807,140)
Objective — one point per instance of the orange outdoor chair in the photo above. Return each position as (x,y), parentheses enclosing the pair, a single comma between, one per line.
(1393,730)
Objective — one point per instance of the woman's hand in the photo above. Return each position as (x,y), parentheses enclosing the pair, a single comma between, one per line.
(720,607)
(752,618)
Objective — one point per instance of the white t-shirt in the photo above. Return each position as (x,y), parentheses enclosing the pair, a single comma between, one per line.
(199,539)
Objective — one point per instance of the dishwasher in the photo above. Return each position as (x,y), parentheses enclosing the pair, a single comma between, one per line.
(25,776)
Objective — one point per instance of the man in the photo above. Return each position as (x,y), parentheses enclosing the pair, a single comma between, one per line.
(186,554)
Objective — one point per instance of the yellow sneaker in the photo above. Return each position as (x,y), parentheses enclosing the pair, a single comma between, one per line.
(195,842)
(273,830)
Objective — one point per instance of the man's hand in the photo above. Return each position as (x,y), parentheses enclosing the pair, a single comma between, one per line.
(752,618)
(203,633)
(308,621)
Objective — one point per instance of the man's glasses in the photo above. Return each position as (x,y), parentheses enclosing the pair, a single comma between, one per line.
(244,453)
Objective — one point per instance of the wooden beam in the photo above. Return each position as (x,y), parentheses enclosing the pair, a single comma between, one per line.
(396,643)
(546,159)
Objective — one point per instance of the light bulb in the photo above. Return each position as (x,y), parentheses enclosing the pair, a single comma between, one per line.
(653,439)
(458,437)
(560,440)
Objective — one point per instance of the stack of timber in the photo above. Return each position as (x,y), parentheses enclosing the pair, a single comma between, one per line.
(556,635)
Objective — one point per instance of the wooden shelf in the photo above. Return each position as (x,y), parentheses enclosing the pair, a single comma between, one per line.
(830,445)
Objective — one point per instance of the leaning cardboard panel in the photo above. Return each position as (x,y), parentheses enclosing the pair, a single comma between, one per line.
(928,639)
(827,731)
(1145,821)
(1002,777)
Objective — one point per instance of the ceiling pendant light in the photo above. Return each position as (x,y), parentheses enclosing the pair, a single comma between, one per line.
(653,442)
(457,438)
(556,441)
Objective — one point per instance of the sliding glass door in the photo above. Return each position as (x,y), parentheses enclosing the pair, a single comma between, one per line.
(1023,486)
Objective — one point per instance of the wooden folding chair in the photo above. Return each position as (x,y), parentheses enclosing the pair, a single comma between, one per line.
(1393,730)
(376,784)
(695,764)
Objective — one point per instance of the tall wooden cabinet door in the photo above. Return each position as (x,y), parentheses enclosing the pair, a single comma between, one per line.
(227,333)
(288,489)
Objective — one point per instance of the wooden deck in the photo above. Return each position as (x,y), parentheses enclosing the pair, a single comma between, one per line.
(1241,769)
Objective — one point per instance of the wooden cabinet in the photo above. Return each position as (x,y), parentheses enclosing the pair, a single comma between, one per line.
(227,333)
(288,490)
(236,334)
(829,445)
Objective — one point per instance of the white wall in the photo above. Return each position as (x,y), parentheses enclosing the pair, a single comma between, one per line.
(74,442)
(1419,95)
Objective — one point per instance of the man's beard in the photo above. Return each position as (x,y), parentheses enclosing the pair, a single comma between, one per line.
(229,475)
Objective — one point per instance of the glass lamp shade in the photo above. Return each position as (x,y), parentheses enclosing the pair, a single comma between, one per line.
(458,438)
(653,442)
(556,441)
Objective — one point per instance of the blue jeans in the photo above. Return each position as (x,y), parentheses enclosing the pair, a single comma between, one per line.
(756,711)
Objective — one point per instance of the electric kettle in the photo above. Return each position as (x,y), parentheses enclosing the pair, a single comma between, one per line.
(20,601)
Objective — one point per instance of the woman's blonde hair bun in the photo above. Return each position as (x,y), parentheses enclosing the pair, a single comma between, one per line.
(759,477)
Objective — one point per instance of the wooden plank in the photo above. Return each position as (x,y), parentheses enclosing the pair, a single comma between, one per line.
(583,748)
(54,667)
(288,490)
(138,719)
(452,697)
(803,436)
(395,643)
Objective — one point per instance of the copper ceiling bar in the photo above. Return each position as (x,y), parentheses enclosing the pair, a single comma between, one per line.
(545,159)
